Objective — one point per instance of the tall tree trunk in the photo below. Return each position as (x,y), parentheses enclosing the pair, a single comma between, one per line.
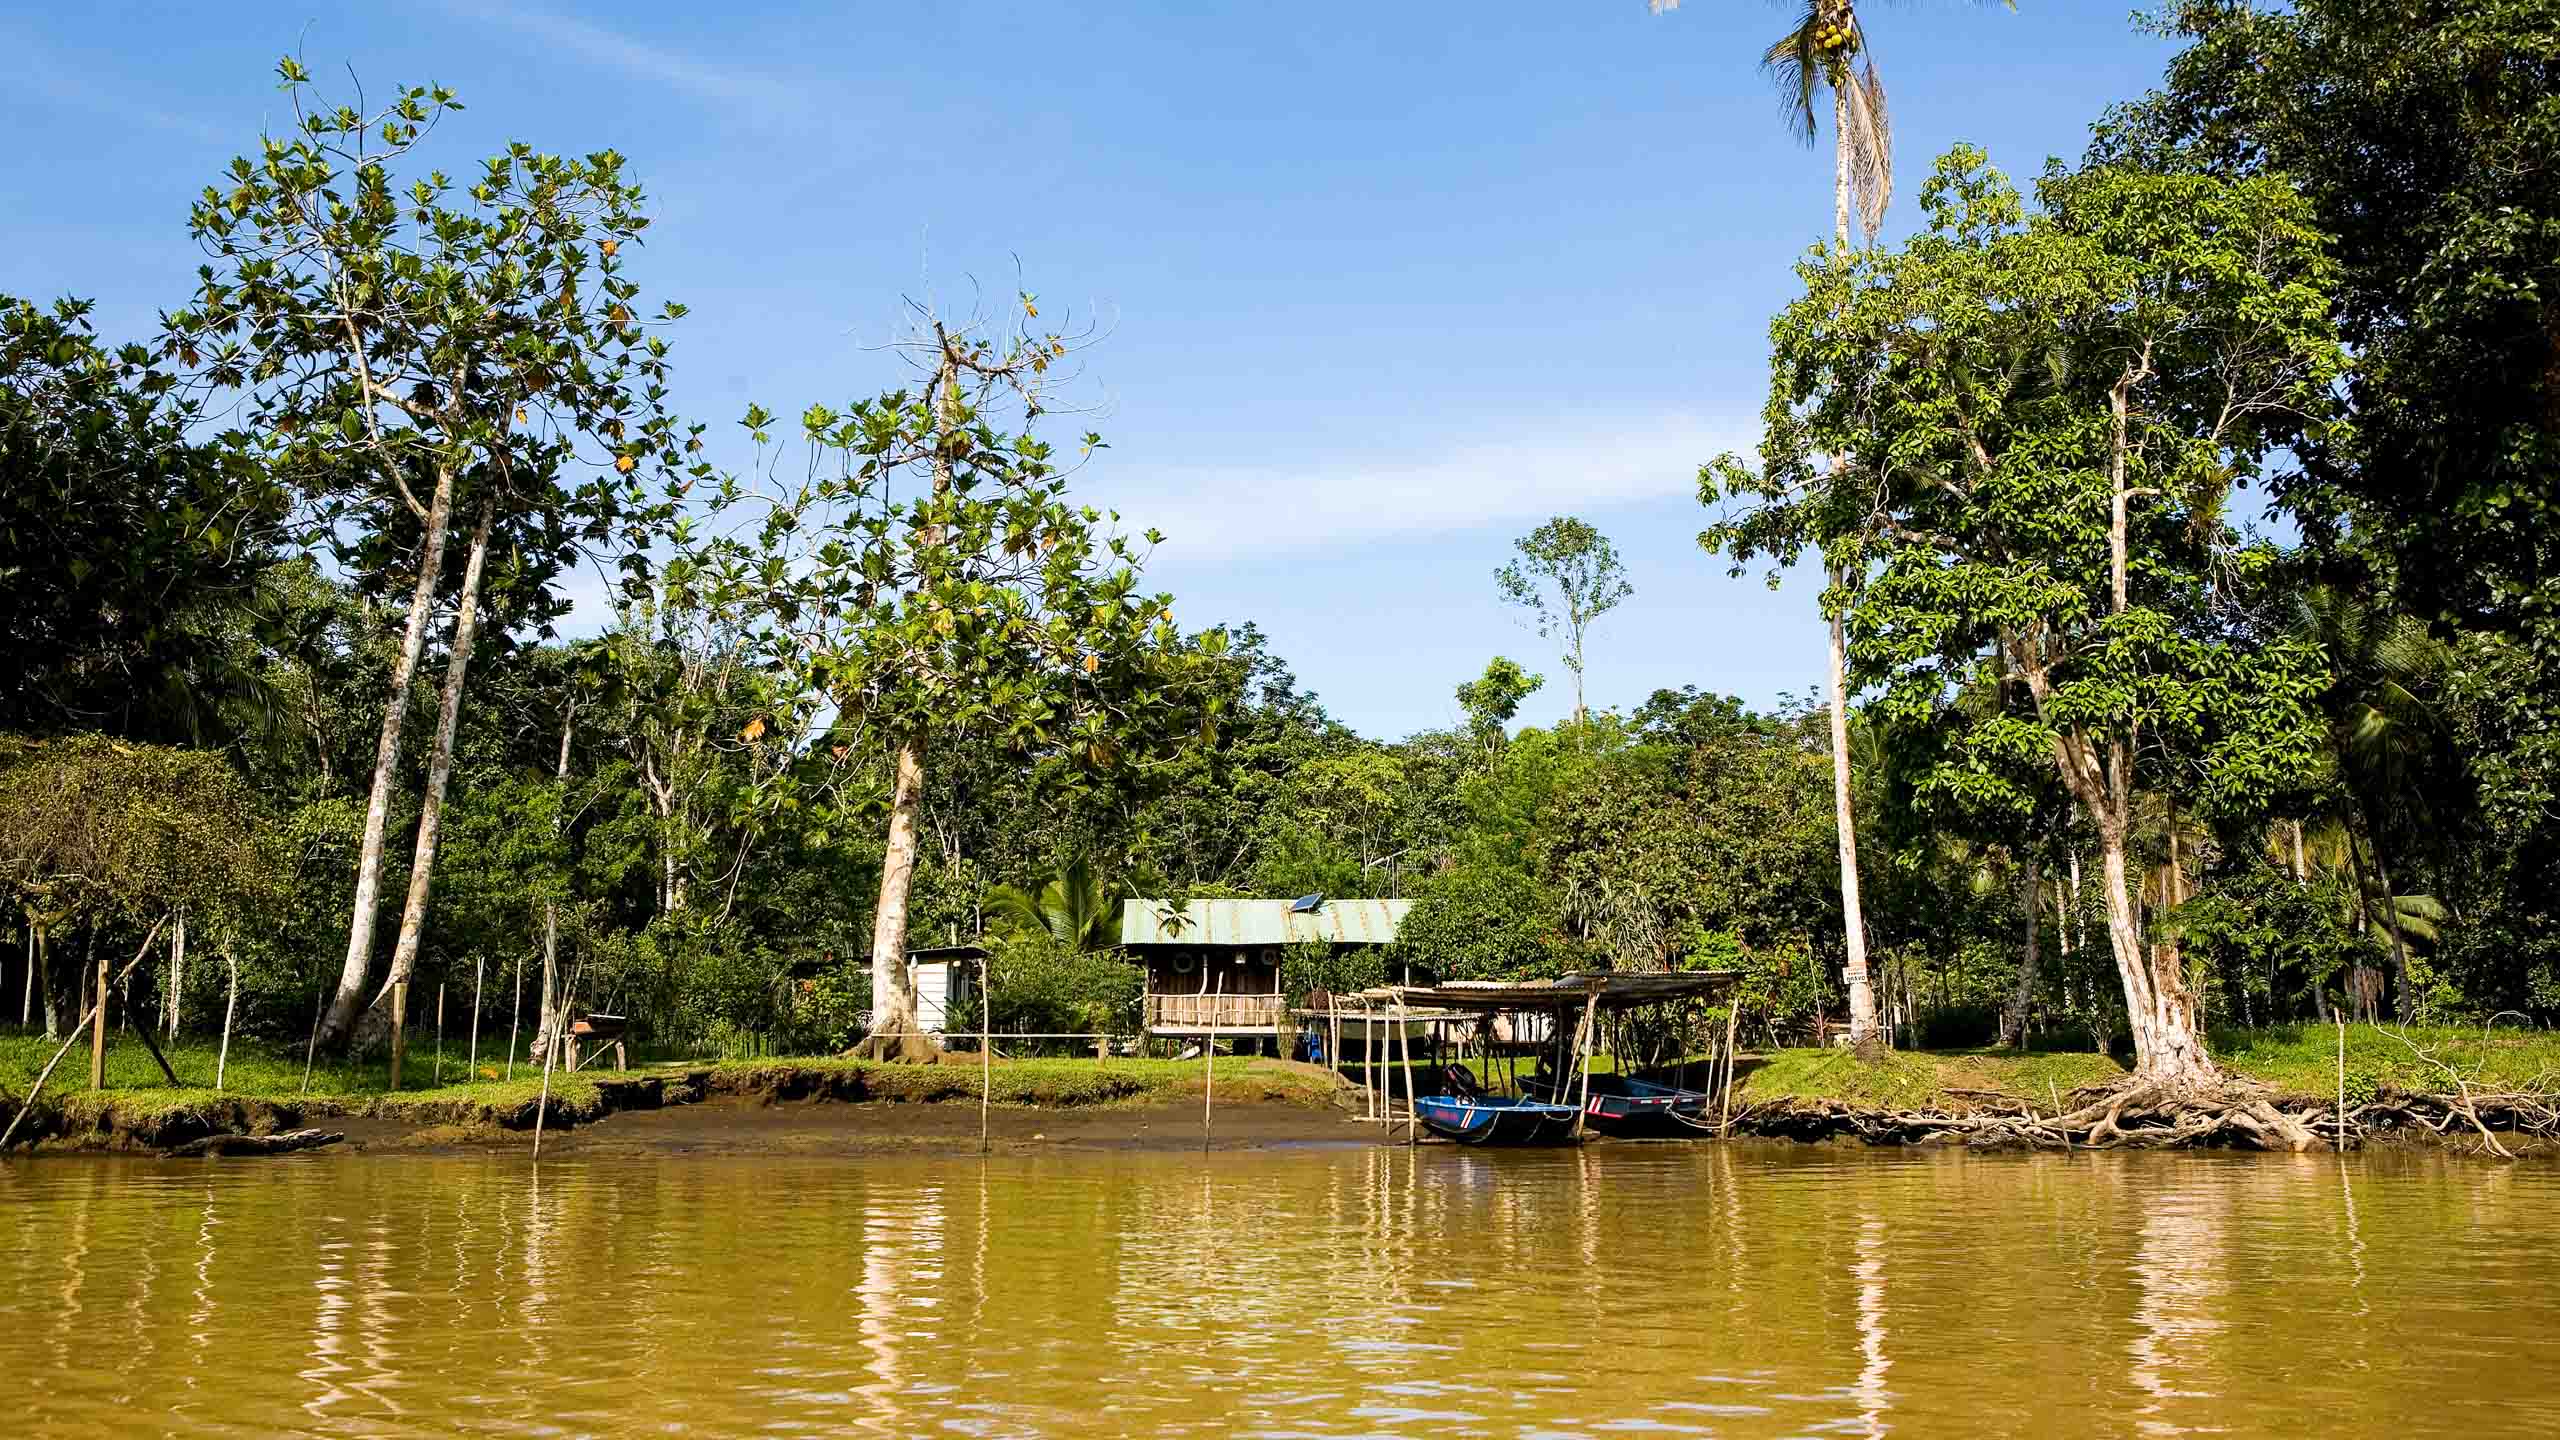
(422,862)
(355,980)
(549,1013)
(177,971)
(1864,1032)
(894,1034)
(2388,917)
(2031,896)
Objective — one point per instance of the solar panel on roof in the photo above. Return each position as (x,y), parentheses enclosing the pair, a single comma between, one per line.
(1306,905)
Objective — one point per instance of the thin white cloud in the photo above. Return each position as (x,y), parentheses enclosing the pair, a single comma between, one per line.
(739,88)
(42,73)
(1563,466)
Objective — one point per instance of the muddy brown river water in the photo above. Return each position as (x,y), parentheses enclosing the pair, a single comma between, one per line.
(1742,1290)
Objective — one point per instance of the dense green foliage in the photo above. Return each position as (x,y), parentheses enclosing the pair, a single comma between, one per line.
(2293,317)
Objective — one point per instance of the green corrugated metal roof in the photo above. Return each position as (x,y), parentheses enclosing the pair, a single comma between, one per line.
(1259,922)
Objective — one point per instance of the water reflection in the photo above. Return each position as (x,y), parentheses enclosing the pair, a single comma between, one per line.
(1733,1291)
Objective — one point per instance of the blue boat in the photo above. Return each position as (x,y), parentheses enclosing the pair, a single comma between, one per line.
(1496,1119)
(1632,1109)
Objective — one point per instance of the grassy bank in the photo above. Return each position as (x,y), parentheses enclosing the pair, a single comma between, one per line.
(2300,1062)
(264,1089)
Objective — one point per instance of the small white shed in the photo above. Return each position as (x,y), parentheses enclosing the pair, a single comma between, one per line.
(945,976)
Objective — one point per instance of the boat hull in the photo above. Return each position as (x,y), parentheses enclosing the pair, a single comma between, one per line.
(1635,1110)
(1489,1121)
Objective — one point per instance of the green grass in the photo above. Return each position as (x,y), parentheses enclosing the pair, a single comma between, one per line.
(2298,1061)
(137,1092)
(2303,1060)
(1051,1082)
(1928,1080)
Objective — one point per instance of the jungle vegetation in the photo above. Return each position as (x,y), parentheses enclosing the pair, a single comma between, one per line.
(2187,510)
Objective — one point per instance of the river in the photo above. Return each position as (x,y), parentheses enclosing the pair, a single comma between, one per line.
(1742,1290)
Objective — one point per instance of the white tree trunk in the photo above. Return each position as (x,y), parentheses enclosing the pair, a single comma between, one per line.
(355,979)
(466,629)
(177,971)
(894,1033)
(548,1015)
(1863,1029)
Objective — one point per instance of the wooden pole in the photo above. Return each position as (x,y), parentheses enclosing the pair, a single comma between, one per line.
(311,1047)
(1209,1065)
(439,1032)
(986,1049)
(479,963)
(1412,1105)
(230,1008)
(1333,1034)
(1590,1024)
(71,1039)
(1732,1023)
(98,1026)
(515,1017)
(2334,1014)
(399,1030)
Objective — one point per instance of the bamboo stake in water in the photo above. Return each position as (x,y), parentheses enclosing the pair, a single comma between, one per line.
(986,1049)
(1209,1064)
(2335,1014)
(230,1007)
(542,1107)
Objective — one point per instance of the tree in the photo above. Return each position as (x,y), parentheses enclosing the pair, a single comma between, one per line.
(1566,578)
(474,346)
(981,605)
(119,530)
(1493,698)
(1075,908)
(2051,411)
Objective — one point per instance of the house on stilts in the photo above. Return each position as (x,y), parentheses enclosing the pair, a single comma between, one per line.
(1214,966)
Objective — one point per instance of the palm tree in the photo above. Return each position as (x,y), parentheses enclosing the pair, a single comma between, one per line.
(1823,53)
(1075,908)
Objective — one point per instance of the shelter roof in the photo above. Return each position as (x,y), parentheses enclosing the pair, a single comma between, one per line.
(1616,990)
(1260,922)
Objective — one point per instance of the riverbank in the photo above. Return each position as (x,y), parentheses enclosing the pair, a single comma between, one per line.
(2471,1088)
(2465,1088)
(1116,1103)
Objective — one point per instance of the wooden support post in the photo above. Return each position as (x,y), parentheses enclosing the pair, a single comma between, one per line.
(1209,1066)
(98,1028)
(1412,1105)
(1590,1024)
(479,963)
(311,1047)
(986,1049)
(1333,1035)
(515,1018)
(399,1030)
(1732,1027)
(542,1107)
(439,1032)
(230,1008)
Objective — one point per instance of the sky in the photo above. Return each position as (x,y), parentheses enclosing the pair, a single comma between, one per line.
(1377,287)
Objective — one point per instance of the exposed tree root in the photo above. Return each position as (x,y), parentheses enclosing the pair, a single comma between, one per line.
(2151,1115)
(912,1047)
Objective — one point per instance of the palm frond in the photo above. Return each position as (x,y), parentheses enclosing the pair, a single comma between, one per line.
(1870,149)
(1795,64)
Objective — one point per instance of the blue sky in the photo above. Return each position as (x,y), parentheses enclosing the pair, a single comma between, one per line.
(1382,285)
